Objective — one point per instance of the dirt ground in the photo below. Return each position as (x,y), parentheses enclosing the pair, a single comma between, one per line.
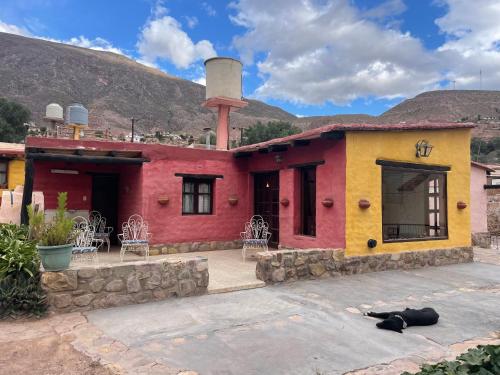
(37,349)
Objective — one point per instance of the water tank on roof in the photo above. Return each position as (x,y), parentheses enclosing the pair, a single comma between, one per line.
(54,112)
(223,76)
(77,114)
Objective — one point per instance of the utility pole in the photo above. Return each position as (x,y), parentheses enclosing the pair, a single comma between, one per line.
(241,133)
(454,84)
(133,129)
(480,79)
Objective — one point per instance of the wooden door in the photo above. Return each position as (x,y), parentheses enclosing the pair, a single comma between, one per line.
(266,202)
(105,200)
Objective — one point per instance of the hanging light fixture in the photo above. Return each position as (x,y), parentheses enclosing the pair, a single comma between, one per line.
(267,184)
(423,148)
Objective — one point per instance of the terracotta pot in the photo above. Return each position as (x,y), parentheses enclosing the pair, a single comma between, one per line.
(163,200)
(461,205)
(233,201)
(327,202)
(285,202)
(364,203)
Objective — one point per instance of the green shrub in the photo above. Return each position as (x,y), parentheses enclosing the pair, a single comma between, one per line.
(58,231)
(17,253)
(21,295)
(483,360)
(20,289)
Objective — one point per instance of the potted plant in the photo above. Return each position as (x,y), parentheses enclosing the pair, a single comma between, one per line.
(54,239)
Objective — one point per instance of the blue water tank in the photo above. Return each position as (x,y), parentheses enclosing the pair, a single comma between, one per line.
(77,114)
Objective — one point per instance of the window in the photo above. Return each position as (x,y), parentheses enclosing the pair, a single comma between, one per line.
(413,204)
(3,173)
(308,201)
(196,196)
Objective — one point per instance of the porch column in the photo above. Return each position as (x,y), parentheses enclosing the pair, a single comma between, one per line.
(29,172)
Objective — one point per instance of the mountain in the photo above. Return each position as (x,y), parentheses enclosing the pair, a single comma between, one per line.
(113,87)
(479,106)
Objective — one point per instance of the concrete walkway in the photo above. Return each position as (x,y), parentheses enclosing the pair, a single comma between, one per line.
(311,327)
(228,272)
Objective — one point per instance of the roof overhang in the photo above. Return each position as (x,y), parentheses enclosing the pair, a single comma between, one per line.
(82,155)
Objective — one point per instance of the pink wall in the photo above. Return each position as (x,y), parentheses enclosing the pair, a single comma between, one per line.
(330,183)
(478,200)
(140,188)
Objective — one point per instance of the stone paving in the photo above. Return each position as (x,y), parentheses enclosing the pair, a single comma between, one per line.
(491,255)
(314,327)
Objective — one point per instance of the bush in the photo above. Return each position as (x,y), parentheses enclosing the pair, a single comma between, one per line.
(483,360)
(20,289)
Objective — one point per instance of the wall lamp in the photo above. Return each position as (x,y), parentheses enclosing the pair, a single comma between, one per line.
(424,148)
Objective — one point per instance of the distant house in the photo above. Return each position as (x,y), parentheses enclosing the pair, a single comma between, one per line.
(479,204)
(11,165)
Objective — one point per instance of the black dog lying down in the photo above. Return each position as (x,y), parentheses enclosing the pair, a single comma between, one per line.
(399,320)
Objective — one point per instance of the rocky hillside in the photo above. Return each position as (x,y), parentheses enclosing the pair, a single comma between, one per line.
(481,107)
(113,88)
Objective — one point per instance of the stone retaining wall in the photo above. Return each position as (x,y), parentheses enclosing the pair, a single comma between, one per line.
(187,247)
(94,287)
(481,239)
(290,265)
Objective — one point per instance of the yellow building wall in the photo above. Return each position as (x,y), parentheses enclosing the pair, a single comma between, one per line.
(15,174)
(364,181)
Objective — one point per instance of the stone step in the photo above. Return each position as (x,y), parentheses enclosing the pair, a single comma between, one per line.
(233,288)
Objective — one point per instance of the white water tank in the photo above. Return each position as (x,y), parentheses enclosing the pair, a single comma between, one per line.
(54,112)
(223,77)
(77,114)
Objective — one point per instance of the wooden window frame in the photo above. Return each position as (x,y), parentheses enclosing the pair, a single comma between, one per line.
(303,200)
(196,194)
(436,170)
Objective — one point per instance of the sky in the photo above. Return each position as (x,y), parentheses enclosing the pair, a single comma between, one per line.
(309,57)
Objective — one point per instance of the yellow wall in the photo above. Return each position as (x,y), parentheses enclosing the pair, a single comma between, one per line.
(364,181)
(15,173)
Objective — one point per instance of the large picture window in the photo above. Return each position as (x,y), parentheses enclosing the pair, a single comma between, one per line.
(197,196)
(308,201)
(413,204)
(3,174)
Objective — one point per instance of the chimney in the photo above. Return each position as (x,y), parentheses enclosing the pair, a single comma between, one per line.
(223,91)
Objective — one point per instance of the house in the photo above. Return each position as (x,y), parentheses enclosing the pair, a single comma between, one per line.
(368,189)
(11,165)
(479,204)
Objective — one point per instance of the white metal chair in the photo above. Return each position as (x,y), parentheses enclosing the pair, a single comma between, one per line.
(102,232)
(83,249)
(135,236)
(256,235)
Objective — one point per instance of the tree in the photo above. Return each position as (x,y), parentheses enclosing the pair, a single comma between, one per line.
(13,116)
(260,132)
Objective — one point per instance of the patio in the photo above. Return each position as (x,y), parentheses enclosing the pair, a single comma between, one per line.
(228,272)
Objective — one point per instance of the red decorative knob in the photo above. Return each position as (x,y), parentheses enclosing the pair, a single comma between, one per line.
(327,202)
(285,202)
(364,203)
(461,205)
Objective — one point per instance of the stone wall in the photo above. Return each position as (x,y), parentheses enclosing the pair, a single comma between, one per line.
(290,265)
(187,247)
(481,239)
(493,211)
(94,287)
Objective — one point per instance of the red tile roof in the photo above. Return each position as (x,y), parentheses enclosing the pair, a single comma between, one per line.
(482,166)
(11,149)
(316,133)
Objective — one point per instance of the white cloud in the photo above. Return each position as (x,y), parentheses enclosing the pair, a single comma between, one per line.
(191,21)
(313,52)
(13,29)
(317,52)
(473,32)
(209,9)
(163,38)
(200,80)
